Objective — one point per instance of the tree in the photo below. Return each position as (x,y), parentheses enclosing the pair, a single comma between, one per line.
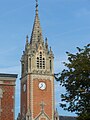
(76,80)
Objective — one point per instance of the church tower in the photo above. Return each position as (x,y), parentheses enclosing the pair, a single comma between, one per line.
(37,77)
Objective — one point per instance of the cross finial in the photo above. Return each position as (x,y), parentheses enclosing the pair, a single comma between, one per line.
(36,6)
(36,1)
(42,104)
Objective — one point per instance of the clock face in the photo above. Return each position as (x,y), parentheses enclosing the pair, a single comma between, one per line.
(42,85)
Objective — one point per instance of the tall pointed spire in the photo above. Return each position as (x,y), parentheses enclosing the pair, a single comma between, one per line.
(36,35)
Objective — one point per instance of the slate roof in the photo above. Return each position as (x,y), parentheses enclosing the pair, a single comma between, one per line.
(67,118)
(8,75)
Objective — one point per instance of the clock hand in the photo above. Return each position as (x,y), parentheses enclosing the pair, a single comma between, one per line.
(41,86)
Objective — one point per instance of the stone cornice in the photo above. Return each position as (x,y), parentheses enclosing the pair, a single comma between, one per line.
(7,79)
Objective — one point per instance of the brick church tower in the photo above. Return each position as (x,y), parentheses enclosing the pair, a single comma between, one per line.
(37,77)
(7,96)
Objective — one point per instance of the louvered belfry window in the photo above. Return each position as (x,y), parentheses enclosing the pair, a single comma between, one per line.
(40,61)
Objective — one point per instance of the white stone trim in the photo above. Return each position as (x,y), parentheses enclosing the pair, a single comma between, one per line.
(12,81)
(31,95)
(12,110)
(53,99)
(1,82)
(27,90)
(46,77)
(7,78)
(13,97)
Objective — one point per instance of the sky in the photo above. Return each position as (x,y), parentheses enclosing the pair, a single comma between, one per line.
(66,24)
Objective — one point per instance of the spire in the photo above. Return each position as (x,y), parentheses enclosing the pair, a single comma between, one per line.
(36,35)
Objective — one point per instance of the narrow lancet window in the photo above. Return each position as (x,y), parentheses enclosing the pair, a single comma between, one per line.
(22,68)
(38,62)
(50,65)
(27,64)
(43,63)
(30,63)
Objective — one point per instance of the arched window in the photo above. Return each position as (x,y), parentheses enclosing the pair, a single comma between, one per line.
(30,63)
(40,61)
(50,65)
(27,64)
(22,68)
(43,63)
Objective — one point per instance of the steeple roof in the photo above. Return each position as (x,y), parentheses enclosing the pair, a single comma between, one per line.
(36,35)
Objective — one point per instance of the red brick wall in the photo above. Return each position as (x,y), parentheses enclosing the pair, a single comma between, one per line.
(42,119)
(25,96)
(7,101)
(42,95)
(23,100)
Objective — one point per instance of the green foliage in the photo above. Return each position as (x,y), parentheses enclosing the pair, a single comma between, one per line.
(84,117)
(76,80)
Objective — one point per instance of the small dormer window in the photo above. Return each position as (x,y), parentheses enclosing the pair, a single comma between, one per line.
(40,61)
